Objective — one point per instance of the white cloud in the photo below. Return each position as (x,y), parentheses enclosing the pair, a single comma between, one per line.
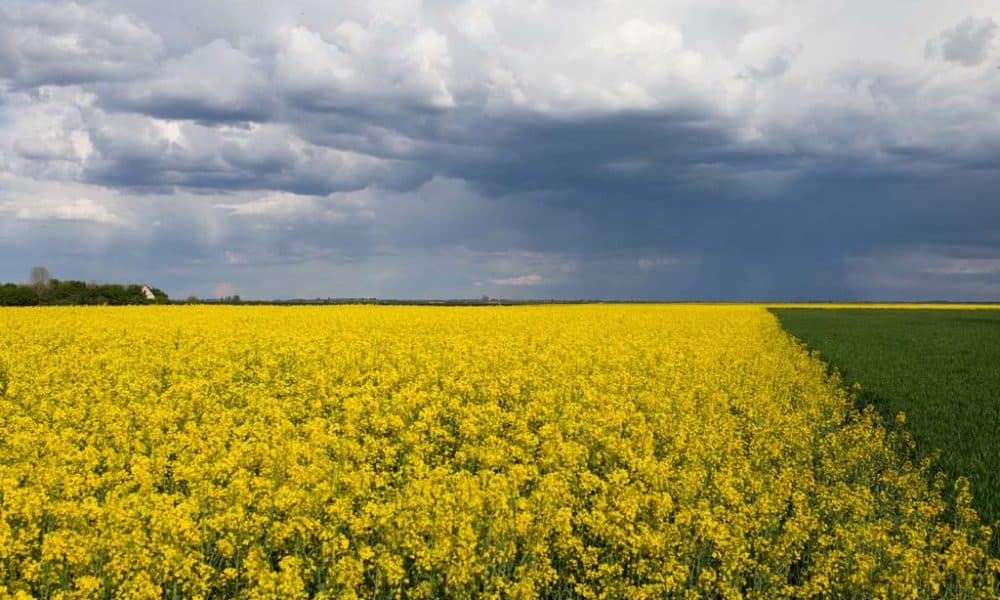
(474,21)
(80,209)
(66,43)
(132,150)
(963,266)
(767,53)
(925,274)
(33,199)
(291,207)
(213,82)
(967,43)
(649,263)
(532,279)
(360,65)
(44,135)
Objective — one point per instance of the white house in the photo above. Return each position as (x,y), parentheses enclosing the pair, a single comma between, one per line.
(148,293)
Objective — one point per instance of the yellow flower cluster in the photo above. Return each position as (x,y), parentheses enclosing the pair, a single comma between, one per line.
(376,452)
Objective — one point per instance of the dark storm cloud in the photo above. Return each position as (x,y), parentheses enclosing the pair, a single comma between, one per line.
(456,148)
(595,154)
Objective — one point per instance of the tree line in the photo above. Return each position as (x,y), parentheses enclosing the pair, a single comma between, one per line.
(43,290)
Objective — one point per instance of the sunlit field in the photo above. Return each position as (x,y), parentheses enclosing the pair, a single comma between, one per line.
(584,451)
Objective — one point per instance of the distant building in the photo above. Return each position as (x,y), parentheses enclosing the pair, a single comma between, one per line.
(148,293)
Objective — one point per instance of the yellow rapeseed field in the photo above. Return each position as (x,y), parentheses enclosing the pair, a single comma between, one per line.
(558,451)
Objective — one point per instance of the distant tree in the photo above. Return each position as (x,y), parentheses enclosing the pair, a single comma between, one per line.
(40,279)
(67,292)
(485,298)
(159,296)
(192,300)
(43,289)
(17,295)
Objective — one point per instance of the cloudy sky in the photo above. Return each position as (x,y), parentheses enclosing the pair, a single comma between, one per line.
(572,149)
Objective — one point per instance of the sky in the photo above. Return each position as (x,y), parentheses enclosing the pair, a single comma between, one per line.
(619,149)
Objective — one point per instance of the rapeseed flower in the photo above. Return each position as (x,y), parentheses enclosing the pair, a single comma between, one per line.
(570,451)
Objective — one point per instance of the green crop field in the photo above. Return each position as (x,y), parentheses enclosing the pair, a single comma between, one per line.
(940,367)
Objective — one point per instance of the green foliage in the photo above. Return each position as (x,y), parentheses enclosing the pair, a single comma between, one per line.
(70,292)
(17,295)
(161,296)
(939,367)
